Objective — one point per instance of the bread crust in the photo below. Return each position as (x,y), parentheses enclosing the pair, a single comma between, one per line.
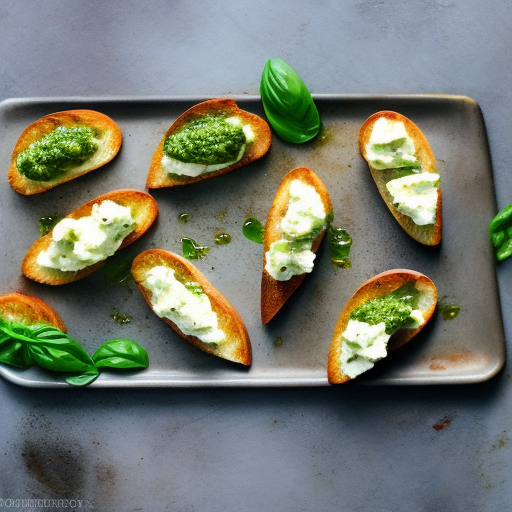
(237,347)
(111,139)
(158,178)
(144,211)
(275,293)
(378,286)
(427,235)
(24,309)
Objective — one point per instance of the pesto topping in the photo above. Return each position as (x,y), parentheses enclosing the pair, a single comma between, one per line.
(222,238)
(193,250)
(206,140)
(339,247)
(394,309)
(253,230)
(57,152)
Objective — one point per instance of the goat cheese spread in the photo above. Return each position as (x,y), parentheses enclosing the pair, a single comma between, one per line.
(79,243)
(184,303)
(305,218)
(415,194)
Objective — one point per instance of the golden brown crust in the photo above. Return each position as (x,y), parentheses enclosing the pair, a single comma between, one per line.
(158,178)
(144,211)
(427,235)
(23,309)
(378,286)
(237,346)
(275,293)
(109,135)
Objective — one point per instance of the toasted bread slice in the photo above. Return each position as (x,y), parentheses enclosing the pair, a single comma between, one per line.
(144,210)
(275,293)
(26,310)
(428,234)
(106,131)
(158,178)
(378,286)
(236,347)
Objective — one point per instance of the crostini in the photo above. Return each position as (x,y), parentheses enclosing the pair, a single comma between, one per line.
(60,147)
(80,243)
(383,314)
(403,167)
(211,138)
(180,294)
(26,310)
(295,227)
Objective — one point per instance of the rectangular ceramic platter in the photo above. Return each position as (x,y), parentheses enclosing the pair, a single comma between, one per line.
(292,350)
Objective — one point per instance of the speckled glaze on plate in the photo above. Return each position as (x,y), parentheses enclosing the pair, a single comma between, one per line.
(292,349)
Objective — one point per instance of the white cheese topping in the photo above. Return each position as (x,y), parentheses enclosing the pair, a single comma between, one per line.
(173,166)
(305,217)
(184,304)
(78,243)
(415,195)
(364,344)
(389,145)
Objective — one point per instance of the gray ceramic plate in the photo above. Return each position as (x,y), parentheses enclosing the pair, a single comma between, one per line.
(292,349)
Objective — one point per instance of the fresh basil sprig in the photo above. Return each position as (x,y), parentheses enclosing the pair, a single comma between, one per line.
(49,347)
(288,104)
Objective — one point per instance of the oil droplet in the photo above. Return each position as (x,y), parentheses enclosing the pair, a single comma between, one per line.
(119,317)
(222,238)
(47,223)
(184,217)
(192,250)
(279,341)
(339,247)
(449,311)
(253,230)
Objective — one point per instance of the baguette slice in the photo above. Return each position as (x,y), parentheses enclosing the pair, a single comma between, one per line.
(378,286)
(26,310)
(429,234)
(237,346)
(158,178)
(144,210)
(109,135)
(275,293)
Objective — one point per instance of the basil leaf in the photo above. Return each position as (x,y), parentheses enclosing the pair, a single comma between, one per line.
(15,353)
(288,104)
(84,379)
(121,353)
(55,350)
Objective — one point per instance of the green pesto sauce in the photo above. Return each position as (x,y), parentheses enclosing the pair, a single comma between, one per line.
(57,152)
(184,217)
(47,223)
(119,317)
(192,250)
(222,238)
(393,309)
(206,140)
(253,229)
(449,311)
(339,247)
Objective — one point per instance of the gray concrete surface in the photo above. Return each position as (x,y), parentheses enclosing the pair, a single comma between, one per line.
(350,449)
